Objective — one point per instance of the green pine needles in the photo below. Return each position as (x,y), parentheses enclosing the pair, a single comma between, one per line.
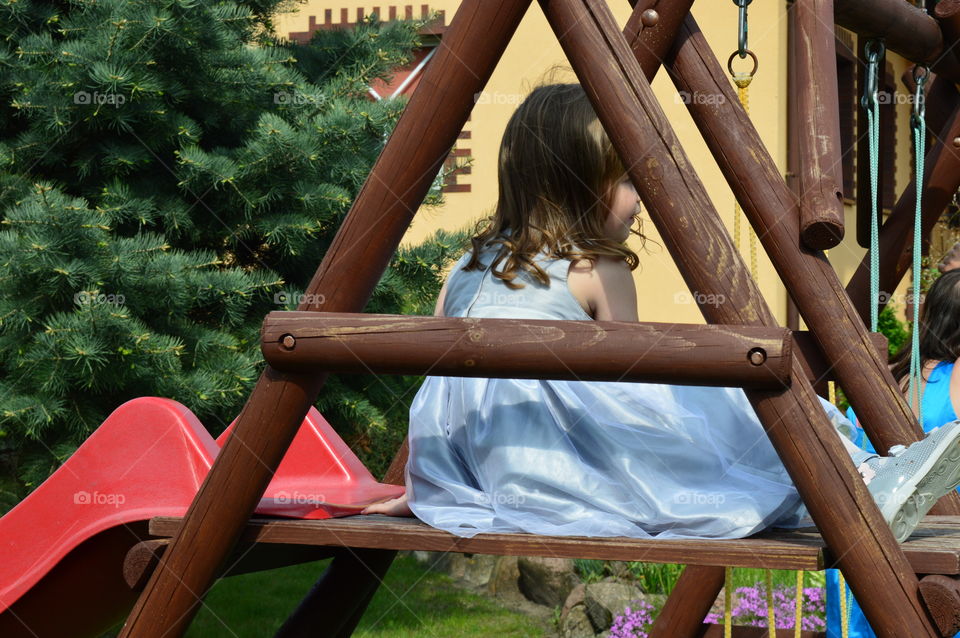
(169,173)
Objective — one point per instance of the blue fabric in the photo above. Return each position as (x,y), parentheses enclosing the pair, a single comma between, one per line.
(937,410)
(587,458)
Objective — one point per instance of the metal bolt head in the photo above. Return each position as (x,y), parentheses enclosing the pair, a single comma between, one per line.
(956,142)
(288,342)
(757,356)
(649,18)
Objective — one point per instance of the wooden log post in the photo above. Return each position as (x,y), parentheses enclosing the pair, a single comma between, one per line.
(947,13)
(696,238)
(354,263)
(942,596)
(770,205)
(941,181)
(689,603)
(905,29)
(818,123)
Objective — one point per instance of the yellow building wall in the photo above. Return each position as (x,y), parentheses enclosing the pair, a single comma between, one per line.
(534,51)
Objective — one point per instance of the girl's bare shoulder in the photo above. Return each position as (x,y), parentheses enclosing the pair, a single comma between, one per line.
(604,287)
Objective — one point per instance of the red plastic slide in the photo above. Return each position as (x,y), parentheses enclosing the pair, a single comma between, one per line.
(62,547)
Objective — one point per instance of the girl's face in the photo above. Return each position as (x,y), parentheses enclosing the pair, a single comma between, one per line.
(624,206)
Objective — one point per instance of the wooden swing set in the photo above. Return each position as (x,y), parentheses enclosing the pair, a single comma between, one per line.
(906,590)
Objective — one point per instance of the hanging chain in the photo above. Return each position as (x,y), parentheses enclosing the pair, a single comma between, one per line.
(742,49)
(874,50)
(918,124)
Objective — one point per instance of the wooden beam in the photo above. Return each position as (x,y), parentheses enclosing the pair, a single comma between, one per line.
(818,124)
(770,205)
(701,247)
(689,603)
(354,263)
(904,28)
(685,354)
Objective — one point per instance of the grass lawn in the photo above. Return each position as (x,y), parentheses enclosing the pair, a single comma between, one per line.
(412,603)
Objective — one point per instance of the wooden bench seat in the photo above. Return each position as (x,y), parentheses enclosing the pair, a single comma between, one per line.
(934,547)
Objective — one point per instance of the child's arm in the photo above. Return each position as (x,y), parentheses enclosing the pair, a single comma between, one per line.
(438,309)
(604,288)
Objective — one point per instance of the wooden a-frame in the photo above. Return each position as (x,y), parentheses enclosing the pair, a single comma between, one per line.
(615,69)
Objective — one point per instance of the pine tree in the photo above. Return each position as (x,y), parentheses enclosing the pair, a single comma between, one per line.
(170,171)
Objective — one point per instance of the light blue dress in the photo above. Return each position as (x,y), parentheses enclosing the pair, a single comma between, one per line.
(584,457)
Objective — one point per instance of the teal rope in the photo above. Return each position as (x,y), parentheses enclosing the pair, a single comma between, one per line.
(919,128)
(873,137)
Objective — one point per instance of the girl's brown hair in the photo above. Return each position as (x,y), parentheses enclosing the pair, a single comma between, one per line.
(557,175)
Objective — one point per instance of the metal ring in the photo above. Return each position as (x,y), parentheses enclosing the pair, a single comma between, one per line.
(877,48)
(756,63)
(918,77)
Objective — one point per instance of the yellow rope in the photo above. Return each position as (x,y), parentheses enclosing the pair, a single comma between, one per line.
(742,80)
(771,616)
(844,618)
(727,603)
(798,610)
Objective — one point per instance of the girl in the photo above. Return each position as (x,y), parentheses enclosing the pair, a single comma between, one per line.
(595,458)
(939,391)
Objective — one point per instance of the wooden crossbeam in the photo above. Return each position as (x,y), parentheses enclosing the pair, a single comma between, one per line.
(934,547)
(687,354)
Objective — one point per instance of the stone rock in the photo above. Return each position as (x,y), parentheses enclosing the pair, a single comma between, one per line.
(505,579)
(603,601)
(474,570)
(434,561)
(575,597)
(576,624)
(546,580)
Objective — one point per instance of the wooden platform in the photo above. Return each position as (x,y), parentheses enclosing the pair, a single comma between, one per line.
(933,549)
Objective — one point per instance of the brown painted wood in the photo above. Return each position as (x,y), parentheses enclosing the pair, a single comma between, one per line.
(947,13)
(377,531)
(355,261)
(700,245)
(942,179)
(689,603)
(934,548)
(771,207)
(685,354)
(821,184)
(942,596)
(144,557)
(905,28)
